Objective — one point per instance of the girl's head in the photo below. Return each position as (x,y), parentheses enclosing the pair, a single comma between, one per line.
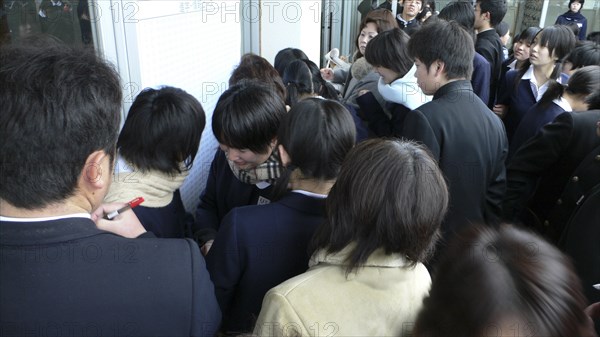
(583,83)
(388,54)
(389,195)
(298,81)
(256,67)
(285,56)
(314,138)
(587,53)
(551,45)
(522,45)
(377,21)
(162,130)
(575,5)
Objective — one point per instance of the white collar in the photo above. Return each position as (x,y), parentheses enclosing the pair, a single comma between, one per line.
(311,194)
(49,218)
(563,103)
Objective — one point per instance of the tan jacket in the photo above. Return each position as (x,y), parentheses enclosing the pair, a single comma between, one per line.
(381,299)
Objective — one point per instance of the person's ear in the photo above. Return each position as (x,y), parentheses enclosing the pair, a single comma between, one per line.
(439,67)
(285,157)
(96,172)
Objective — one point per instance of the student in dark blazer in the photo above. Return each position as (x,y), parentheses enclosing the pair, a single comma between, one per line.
(245,123)
(464,136)
(62,272)
(157,147)
(258,247)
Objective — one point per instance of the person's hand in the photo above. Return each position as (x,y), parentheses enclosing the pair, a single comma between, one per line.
(206,247)
(362,92)
(327,74)
(500,110)
(125,224)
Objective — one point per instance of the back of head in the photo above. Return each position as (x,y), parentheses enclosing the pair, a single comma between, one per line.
(496,8)
(162,130)
(594,37)
(317,134)
(586,53)
(585,81)
(390,194)
(258,68)
(502,28)
(59,105)
(298,81)
(247,116)
(502,279)
(285,56)
(448,42)
(461,12)
(321,87)
(390,50)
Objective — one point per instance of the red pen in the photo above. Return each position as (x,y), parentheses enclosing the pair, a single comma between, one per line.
(133,203)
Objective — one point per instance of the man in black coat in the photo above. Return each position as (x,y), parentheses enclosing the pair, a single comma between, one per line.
(466,138)
(63,272)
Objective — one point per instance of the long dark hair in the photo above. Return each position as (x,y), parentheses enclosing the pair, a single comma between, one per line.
(584,82)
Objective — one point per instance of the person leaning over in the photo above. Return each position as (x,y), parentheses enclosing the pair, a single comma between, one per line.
(60,271)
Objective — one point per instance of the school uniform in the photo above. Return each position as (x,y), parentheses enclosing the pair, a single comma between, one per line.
(170,221)
(576,18)
(537,116)
(480,80)
(468,141)
(66,277)
(223,192)
(257,248)
(488,44)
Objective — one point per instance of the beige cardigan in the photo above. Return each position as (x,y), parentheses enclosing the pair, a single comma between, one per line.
(381,299)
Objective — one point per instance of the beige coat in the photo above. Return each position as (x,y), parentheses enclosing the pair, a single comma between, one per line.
(381,299)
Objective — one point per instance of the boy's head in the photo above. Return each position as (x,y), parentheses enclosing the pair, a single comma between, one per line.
(411,8)
(59,125)
(575,5)
(489,13)
(245,122)
(443,51)
(162,130)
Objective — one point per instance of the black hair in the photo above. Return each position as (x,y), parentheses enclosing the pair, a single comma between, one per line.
(444,41)
(500,278)
(461,12)
(163,129)
(247,116)
(594,37)
(502,28)
(285,56)
(584,82)
(323,88)
(59,105)
(389,195)
(317,134)
(593,101)
(389,49)
(580,1)
(298,81)
(496,8)
(256,67)
(528,34)
(586,53)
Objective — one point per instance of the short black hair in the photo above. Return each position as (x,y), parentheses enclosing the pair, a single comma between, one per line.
(461,12)
(247,116)
(580,1)
(317,134)
(586,53)
(285,56)
(162,129)
(492,276)
(389,49)
(496,8)
(445,41)
(390,195)
(59,105)
(528,34)
(502,28)
(594,37)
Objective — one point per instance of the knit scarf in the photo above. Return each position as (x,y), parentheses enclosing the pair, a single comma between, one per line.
(268,172)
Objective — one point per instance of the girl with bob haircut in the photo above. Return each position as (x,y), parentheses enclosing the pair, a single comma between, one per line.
(556,100)
(313,140)
(388,54)
(258,68)
(383,217)
(157,147)
(526,86)
(518,284)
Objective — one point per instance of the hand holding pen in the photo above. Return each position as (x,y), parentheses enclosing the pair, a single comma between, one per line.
(125,223)
(132,204)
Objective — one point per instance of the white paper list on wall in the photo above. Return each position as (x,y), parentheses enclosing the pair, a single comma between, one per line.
(193,45)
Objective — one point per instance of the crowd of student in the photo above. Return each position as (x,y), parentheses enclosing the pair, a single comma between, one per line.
(423,199)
